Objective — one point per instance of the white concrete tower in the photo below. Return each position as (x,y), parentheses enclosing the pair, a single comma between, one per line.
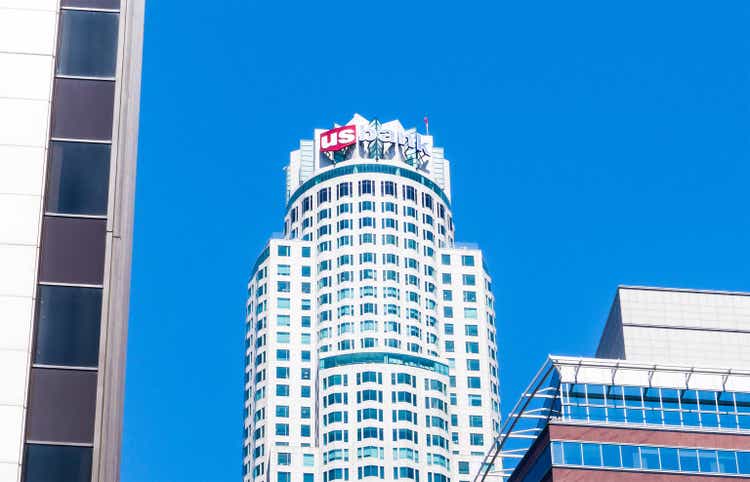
(371,347)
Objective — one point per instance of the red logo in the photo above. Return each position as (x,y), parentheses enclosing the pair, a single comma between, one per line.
(338,138)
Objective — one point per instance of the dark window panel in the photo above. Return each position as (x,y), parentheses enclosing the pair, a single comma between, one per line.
(82,109)
(78,179)
(88,43)
(68,326)
(57,463)
(62,406)
(112,4)
(72,250)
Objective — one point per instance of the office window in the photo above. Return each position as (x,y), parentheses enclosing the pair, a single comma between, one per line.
(282,429)
(83,109)
(308,460)
(57,463)
(88,43)
(283,477)
(467,260)
(305,412)
(463,467)
(476,439)
(308,477)
(282,411)
(78,178)
(62,404)
(283,250)
(284,458)
(68,326)
(72,250)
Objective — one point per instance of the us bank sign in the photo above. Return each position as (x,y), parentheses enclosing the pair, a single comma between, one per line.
(374,141)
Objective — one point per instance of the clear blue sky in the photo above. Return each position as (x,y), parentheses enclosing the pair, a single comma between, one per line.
(592,144)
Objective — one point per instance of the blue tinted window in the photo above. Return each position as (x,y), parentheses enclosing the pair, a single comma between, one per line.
(592,455)
(57,463)
(650,458)
(669,460)
(611,455)
(688,460)
(631,458)
(727,462)
(88,43)
(707,461)
(572,453)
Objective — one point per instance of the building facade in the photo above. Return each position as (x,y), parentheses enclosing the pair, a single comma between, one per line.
(69,99)
(708,328)
(683,415)
(371,348)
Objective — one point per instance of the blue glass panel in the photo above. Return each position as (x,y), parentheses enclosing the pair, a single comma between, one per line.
(689,400)
(669,460)
(688,460)
(572,453)
(591,455)
(614,396)
(578,412)
(707,461)
(631,458)
(611,455)
(634,416)
(690,419)
(616,415)
(743,421)
(653,417)
(577,394)
(727,462)
(650,458)
(670,398)
(743,402)
(707,401)
(743,462)
(597,414)
(596,394)
(726,402)
(728,420)
(709,419)
(633,397)
(557,453)
(672,418)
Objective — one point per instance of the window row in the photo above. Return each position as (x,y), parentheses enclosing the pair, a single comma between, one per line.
(641,457)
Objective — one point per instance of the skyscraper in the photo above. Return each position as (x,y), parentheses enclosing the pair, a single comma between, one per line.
(371,347)
(69,99)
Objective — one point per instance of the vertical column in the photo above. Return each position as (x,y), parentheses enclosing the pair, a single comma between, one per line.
(66,359)
(27,48)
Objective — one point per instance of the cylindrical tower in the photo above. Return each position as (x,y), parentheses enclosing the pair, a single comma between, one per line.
(354,286)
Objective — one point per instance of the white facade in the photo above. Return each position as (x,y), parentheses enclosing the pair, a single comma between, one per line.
(27,47)
(705,328)
(371,345)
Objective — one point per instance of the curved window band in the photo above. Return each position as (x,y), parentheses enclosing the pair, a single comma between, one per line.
(365,168)
(389,358)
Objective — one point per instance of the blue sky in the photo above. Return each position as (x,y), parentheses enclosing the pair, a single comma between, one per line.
(592,144)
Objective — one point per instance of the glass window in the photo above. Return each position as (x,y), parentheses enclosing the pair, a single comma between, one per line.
(82,109)
(707,461)
(78,179)
(572,453)
(284,477)
(611,455)
(688,460)
(669,460)
(727,462)
(88,43)
(68,326)
(631,458)
(467,260)
(592,455)
(62,404)
(73,250)
(57,463)
(650,458)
